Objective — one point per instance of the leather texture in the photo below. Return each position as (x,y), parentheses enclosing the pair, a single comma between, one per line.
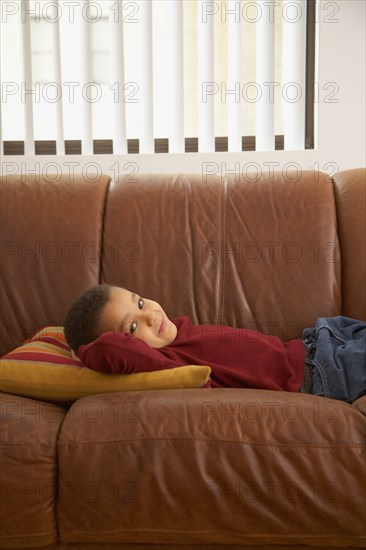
(29,471)
(184,468)
(255,461)
(155,238)
(51,241)
(350,196)
(241,253)
(287,253)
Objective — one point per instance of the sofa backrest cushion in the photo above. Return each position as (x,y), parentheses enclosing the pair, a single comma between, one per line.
(51,235)
(350,195)
(258,254)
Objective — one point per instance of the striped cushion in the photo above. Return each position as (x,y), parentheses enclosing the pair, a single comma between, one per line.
(45,367)
(49,347)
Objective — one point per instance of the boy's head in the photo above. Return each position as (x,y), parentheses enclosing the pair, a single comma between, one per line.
(82,323)
(106,308)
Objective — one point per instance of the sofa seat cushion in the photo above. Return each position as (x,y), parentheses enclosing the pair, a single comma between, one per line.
(28,472)
(225,466)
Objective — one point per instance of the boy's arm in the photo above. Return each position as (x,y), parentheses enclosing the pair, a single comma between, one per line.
(118,353)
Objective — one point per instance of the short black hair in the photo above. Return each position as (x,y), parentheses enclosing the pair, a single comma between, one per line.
(82,322)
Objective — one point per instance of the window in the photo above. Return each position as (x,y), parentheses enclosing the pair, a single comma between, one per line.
(84,97)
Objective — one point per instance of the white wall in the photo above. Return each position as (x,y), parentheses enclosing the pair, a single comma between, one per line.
(342,60)
(341,140)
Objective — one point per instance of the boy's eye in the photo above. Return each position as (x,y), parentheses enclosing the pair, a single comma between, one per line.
(133,326)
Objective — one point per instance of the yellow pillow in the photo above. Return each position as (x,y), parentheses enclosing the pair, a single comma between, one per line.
(44,367)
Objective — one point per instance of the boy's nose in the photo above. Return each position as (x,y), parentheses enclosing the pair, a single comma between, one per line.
(151,319)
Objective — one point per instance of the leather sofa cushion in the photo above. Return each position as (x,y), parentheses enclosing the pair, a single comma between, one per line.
(51,232)
(28,472)
(223,466)
(350,198)
(235,251)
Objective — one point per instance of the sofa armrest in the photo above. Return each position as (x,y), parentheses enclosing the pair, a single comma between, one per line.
(212,466)
(28,473)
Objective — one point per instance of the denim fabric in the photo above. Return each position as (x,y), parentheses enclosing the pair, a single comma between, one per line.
(340,358)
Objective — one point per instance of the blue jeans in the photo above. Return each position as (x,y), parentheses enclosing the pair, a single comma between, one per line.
(339,361)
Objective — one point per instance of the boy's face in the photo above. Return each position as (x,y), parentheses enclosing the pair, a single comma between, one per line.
(127,312)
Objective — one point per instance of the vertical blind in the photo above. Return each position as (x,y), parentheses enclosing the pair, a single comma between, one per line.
(150,38)
(27,79)
(118,131)
(60,140)
(265,40)
(234,80)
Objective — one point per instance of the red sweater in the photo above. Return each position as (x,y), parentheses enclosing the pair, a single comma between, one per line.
(239,358)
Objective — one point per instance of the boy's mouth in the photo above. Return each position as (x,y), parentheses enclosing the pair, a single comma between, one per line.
(162,326)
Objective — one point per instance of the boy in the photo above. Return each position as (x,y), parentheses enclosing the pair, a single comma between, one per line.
(114,330)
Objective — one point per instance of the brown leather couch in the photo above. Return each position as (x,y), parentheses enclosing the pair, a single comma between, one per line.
(184,468)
